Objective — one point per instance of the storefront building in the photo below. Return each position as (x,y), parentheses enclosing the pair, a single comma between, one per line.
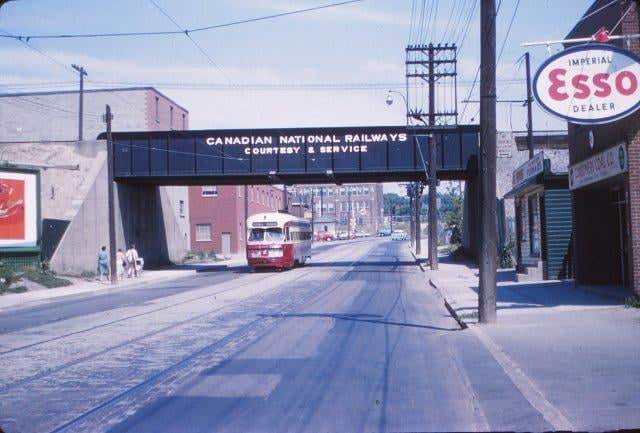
(604,175)
(543,221)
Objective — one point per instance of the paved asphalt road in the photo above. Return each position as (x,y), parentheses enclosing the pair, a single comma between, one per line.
(354,341)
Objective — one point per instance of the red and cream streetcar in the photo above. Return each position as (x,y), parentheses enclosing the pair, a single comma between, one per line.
(278,240)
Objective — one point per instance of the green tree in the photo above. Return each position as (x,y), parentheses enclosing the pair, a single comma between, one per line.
(451,214)
(401,204)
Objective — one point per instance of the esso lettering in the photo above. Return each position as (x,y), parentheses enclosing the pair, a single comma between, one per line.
(582,86)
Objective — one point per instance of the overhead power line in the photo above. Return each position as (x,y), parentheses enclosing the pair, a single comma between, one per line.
(181,31)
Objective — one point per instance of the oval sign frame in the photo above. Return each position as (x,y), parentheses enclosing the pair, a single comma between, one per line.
(586,47)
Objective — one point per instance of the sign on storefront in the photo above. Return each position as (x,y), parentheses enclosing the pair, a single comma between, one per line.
(604,165)
(589,84)
(528,170)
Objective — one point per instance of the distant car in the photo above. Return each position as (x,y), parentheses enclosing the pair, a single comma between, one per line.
(342,236)
(362,234)
(324,236)
(399,235)
(383,233)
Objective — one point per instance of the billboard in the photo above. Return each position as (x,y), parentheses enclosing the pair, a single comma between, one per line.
(589,84)
(18,209)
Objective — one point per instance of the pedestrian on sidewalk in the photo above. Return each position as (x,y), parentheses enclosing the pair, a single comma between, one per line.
(103,264)
(132,258)
(121,263)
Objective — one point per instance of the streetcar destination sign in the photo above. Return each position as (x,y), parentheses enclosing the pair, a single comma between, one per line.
(589,84)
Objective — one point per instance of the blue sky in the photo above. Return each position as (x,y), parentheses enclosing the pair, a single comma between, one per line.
(356,43)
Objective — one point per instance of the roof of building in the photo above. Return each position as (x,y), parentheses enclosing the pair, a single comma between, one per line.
(115,89)
(607,15)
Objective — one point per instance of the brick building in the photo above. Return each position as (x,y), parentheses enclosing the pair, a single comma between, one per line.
(40,129)
(53,116)
(217,215)
(364,200)
(606,213)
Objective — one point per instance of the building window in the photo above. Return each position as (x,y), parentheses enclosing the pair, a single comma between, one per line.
(157,109)
(203,232)
(171,116)
(181,208)
(184,121)
(209,191)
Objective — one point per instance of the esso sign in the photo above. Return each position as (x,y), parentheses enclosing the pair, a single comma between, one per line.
(589,84)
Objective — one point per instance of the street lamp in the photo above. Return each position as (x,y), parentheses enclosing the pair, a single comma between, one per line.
(389,99)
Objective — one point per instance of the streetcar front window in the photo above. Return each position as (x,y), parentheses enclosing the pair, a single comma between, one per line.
(266,235)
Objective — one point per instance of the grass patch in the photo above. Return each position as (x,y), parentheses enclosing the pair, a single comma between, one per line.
(16,289)
(45,279)
(472,315)
(632,301)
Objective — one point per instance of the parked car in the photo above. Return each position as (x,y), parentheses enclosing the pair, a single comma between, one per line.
(399,235)
(342,236)
(324,236)
(384,232)
(359,234)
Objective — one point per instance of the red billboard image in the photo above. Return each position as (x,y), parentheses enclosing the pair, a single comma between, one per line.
(12,216)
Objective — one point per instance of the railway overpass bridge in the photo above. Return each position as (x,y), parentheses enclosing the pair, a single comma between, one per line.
(143,161)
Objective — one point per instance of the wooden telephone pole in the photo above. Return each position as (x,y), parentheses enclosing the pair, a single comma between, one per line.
(489,244)
(111,199)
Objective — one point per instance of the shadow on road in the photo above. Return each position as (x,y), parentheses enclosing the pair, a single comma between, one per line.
(368,318)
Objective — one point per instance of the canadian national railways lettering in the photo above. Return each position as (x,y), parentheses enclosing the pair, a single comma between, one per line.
(314,143)
(307,139)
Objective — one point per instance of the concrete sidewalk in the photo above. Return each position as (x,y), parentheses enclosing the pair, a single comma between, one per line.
(574,355)
(86,287)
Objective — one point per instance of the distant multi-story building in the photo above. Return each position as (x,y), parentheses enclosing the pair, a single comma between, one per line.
(218,216)
(53,116)
(361,204)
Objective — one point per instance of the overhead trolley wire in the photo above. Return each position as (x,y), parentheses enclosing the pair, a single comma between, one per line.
(181,31)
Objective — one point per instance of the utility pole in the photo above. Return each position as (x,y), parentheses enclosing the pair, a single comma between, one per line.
(529,106)
(82,73)
(111,200)
(245,197)
(348,212)
(412,225)
(313,211)
(489,245)
(285,200)
(321,200)
(433,182)
(417,210)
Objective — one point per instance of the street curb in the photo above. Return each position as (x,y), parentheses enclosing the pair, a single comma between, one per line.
(418,262)
(443,294)
(447,304)
(93,291)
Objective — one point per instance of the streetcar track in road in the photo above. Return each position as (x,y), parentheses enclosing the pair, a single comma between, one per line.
(133,316)
(122,319)
(311,297)
(134,340)
(77,361)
